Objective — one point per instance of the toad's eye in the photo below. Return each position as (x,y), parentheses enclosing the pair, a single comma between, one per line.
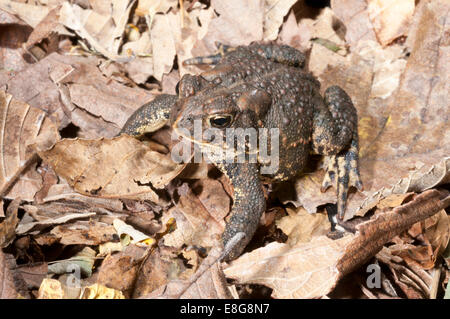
(221,121)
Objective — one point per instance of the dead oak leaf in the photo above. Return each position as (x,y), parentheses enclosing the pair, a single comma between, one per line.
(311,270)
(195,224)
(306,270)
(84,233)
(113,168)
(9,224)
(275,11)
(301,226)
(23,130)
(390,19)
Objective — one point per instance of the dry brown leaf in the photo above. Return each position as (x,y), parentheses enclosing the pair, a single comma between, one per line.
(51,289)
(208,282)
(102,31)
(12,284)
(390,18)
(119,270)
(89,233)
(195,225)
(382,227)
(306,270)
(97,291)
(274,12)
(22,126)
(14,34)
(433,233)
(311,270)
(300,226)
(295,34)
(163,43)
(354,15)
(30,13)
(7,286)
(119,167)
(9,224)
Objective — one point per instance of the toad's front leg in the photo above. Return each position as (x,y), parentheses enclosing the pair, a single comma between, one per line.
(151,116)
(248,204)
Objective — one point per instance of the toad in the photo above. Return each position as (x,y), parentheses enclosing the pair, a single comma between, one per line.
(261,86)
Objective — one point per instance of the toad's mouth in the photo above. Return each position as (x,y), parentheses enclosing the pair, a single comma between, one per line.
(229,150)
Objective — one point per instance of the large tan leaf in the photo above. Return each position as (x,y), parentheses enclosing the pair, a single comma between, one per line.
(118,167)
(275,11)
(311,270)
(23,128)
(102,31)
(390,18)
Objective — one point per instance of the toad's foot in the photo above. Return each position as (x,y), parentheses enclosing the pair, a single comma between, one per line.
(345,166)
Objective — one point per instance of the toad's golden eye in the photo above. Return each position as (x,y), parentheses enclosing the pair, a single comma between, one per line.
(221,121)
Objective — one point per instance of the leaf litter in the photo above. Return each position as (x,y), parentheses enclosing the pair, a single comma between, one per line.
(79,72)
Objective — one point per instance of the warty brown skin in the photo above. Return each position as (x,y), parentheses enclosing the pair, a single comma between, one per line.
(263,86)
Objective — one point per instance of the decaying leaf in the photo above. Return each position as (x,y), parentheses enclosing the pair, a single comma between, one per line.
(85,233)
(208,282)
(81,263)
(301,226)
(103,32)
(195,225)
(119,270)
(317,265)
(275,11)
(22,127)
(390,18)
(120,167)
(7,287)
(97,291)
(9,224)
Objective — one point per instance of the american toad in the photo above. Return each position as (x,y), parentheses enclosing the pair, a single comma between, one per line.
(262,86)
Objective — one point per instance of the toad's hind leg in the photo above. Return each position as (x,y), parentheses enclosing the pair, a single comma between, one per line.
(336,134)
(151,116)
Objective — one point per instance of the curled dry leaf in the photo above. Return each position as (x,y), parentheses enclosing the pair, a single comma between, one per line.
(23,130)
(311,270)
(306,270)
(195,224)
(102,31)
(354,15)
(84,233)
(301,226)
(119,270)
(9,224)
(97,291)
(119,167)
(7,286)
(390,19)
(208,282)
(274,12)
(30,13)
